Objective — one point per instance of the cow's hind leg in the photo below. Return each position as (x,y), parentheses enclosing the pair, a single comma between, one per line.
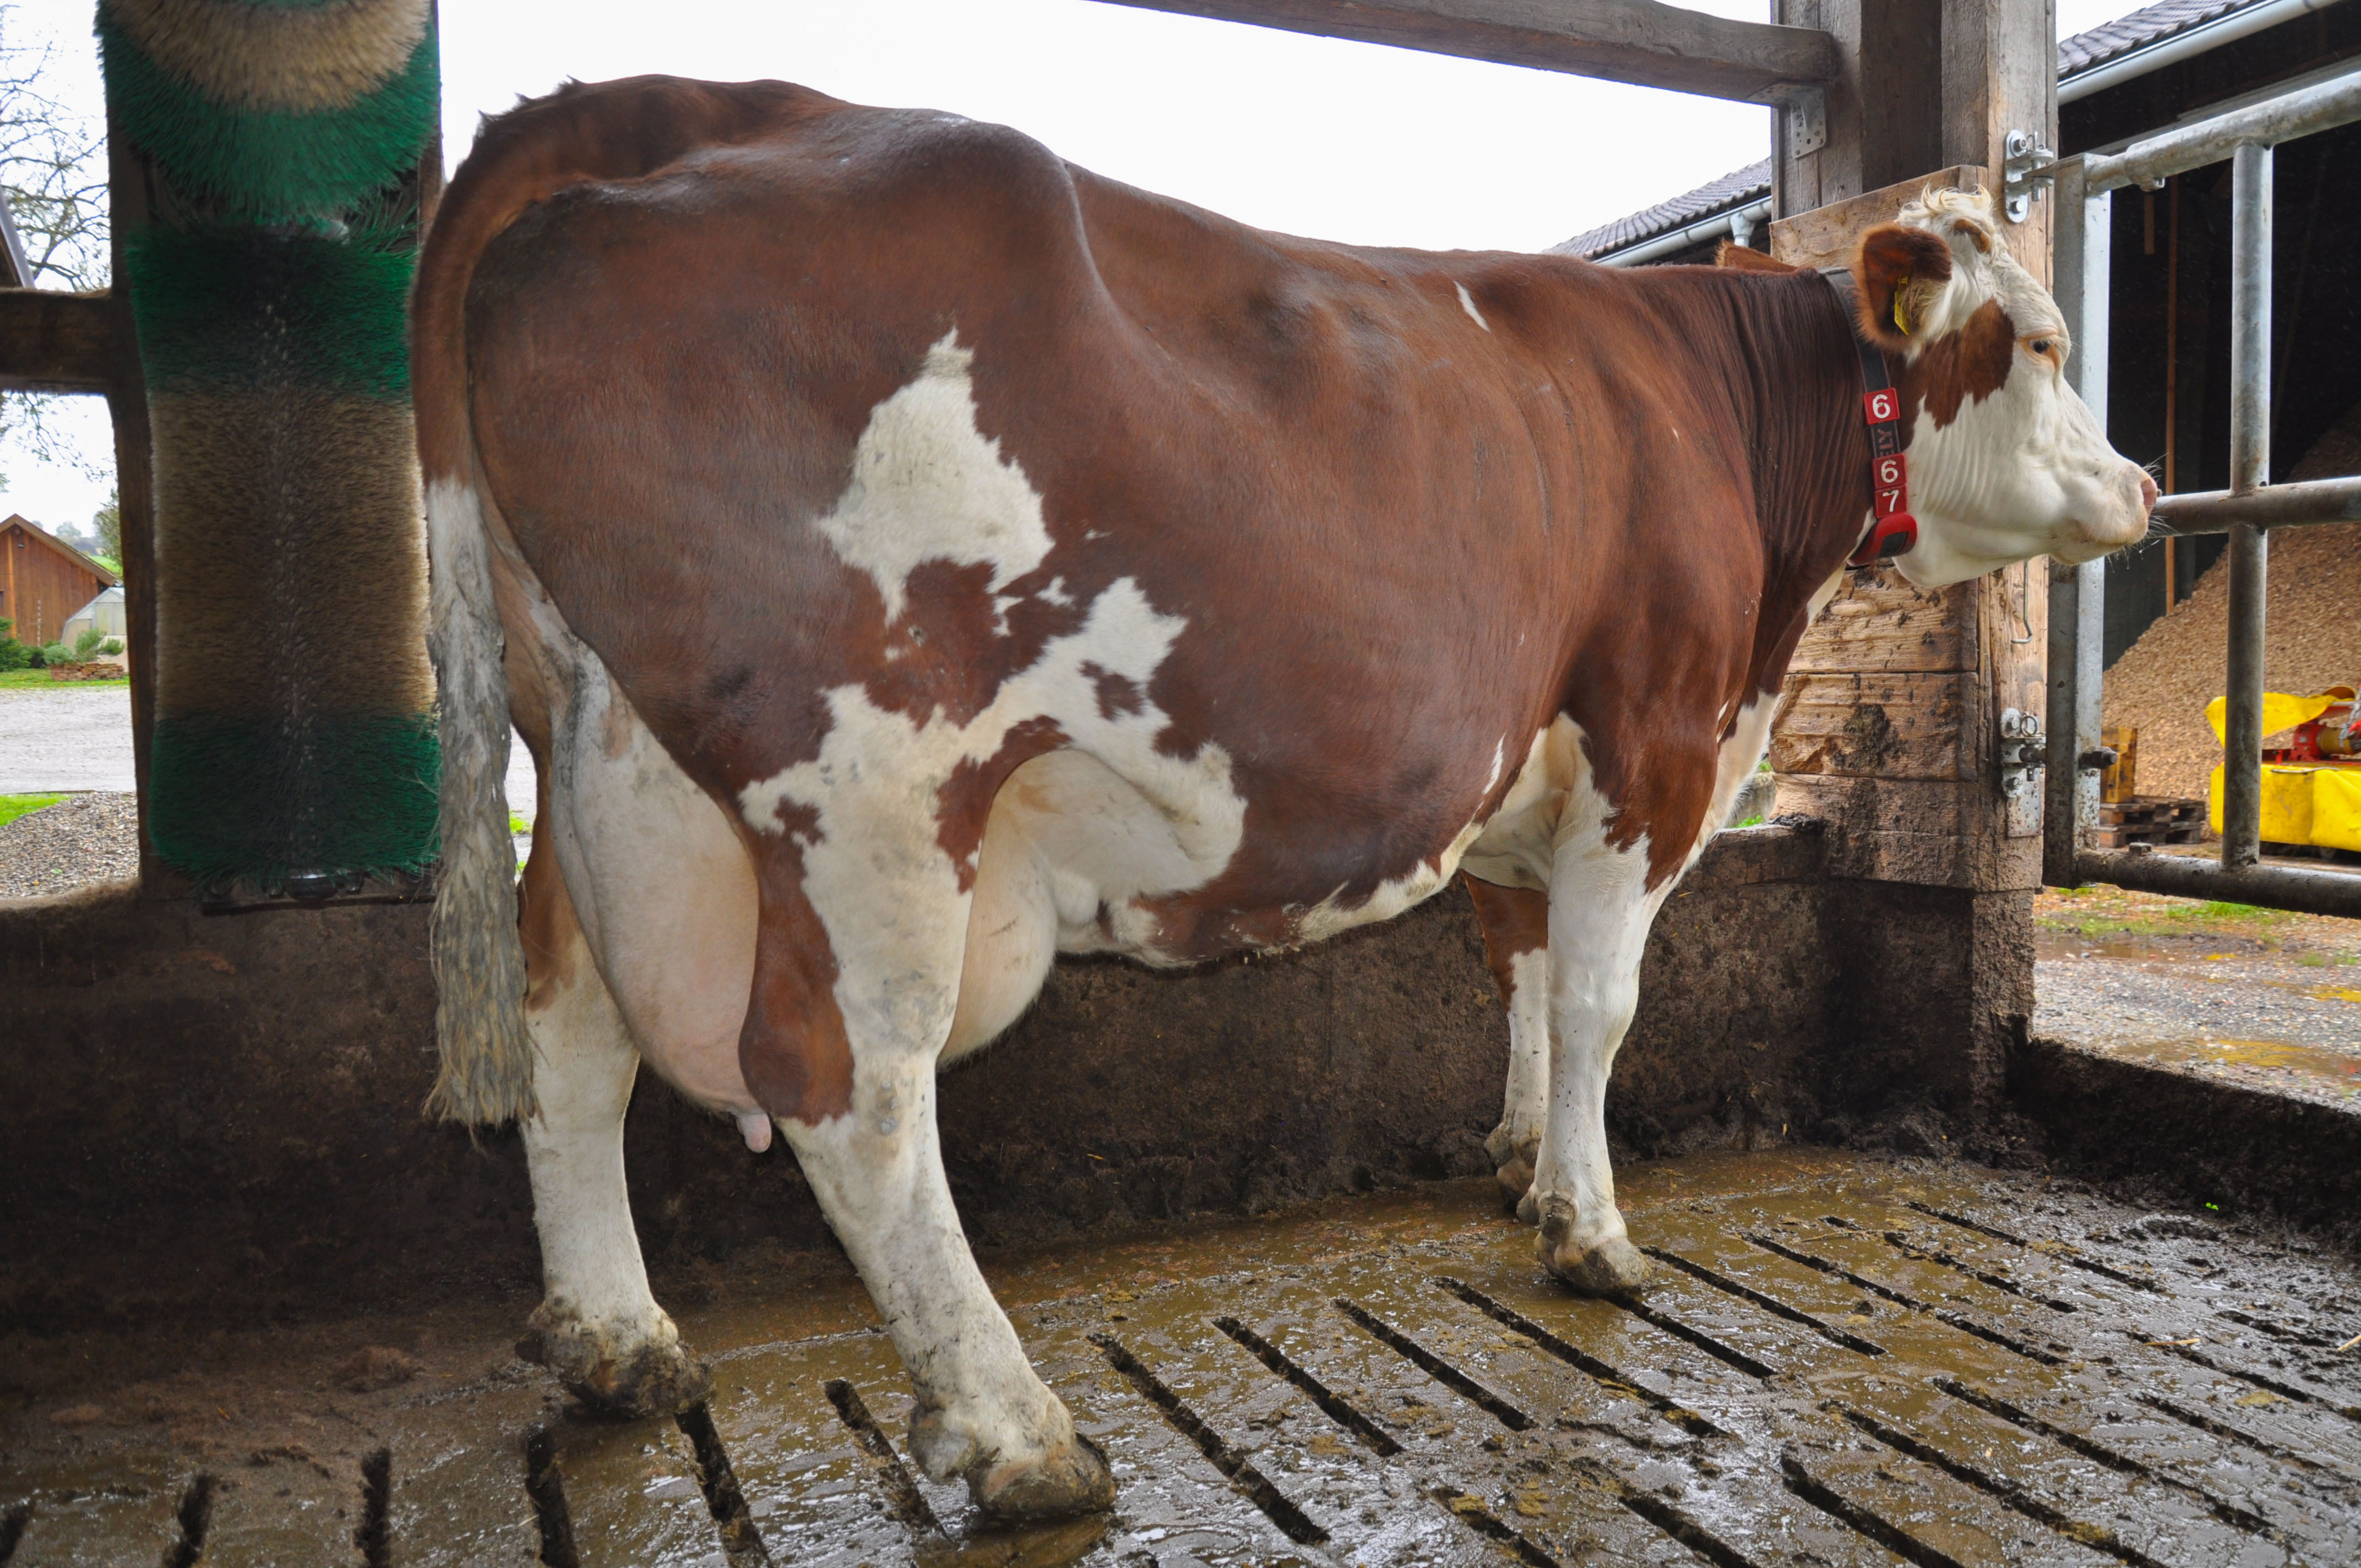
(1516,940)
(850,1016)
(597,1327)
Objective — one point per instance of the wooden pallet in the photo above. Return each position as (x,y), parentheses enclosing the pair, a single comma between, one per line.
(2148,819)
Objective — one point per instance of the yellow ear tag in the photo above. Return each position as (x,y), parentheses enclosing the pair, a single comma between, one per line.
(1901,315)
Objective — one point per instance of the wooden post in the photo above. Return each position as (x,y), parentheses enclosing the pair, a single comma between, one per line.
(130,195)
(1891,722)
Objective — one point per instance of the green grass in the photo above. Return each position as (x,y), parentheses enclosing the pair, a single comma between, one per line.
(12,807)
(38,680)
(2214,909)
(517,824)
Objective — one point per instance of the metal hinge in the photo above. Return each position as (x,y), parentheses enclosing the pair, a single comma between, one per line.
(2026,167)
(2021,752)
(1806,113)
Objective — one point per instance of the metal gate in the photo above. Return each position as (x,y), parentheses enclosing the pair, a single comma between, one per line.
(2252,505)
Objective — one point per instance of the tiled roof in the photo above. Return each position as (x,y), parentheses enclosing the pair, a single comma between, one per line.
(2149,24)
(2083,51)
(1734,190)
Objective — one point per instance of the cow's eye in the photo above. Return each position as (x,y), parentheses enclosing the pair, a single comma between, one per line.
(2046,348)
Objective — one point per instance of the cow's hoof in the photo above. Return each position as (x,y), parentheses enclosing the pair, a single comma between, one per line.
(1073,1480)
(1611,1266)
(652,1378)
(1516,1179)
(1528,1208)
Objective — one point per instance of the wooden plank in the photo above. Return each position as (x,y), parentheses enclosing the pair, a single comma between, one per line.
(1825,237)
(1883,624)
(55,342)
(1884,118)
(1639,41)
(1902,725)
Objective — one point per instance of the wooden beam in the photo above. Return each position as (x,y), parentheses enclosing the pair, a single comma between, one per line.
(1827,235)
(56,341)
(1639,41)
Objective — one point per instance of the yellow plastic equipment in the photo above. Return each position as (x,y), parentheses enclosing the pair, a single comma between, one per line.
(2303,802)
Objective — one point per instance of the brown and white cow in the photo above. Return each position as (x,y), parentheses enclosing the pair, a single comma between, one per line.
(919,557)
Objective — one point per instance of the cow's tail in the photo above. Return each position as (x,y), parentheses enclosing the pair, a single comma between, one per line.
(486,1072)
(486,1056)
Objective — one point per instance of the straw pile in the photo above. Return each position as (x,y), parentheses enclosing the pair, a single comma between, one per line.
(2311,637)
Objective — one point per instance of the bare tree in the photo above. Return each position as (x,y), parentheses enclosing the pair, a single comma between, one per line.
(53,175)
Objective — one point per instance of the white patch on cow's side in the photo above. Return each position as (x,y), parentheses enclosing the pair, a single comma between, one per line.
(1056,594)
(927,486)
(877,876)
(1467,304)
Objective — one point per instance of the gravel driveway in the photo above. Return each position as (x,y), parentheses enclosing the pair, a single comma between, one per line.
(75,738)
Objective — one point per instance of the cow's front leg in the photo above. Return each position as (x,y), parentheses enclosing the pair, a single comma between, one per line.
(597,1327)
(1516,942)
(1599,911)
(982,1414)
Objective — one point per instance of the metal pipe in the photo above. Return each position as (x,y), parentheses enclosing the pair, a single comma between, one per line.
(2196,40)
(2078,595)
(2250,468)
(2273,506)
(2310,892)
(2323,108)
(1681,239)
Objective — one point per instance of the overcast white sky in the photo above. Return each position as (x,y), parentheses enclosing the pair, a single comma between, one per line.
(1313,135)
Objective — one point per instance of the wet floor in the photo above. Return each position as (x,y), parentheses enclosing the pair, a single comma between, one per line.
(1840,1363)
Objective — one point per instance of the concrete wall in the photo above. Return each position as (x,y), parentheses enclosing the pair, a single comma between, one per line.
(201,1108)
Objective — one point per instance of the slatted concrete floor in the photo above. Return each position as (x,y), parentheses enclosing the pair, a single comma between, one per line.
(1840,1363)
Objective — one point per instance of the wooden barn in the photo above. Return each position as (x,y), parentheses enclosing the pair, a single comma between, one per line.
(43,581)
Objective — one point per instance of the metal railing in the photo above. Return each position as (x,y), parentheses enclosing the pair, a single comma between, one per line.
(2085,187)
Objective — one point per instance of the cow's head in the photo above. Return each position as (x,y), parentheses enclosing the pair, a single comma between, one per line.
(2006,461)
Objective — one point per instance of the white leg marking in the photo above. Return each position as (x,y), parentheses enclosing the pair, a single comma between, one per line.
(1525,1112)
(594,1284)
(1600,909)
(878,1175)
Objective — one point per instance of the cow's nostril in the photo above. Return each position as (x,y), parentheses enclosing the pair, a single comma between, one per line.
(2147,493)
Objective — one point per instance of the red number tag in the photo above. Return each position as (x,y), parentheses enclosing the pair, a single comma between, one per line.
(1891,501)
(1891,472)
(1883,405)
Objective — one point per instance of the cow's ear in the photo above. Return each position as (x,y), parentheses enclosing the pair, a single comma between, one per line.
(1901,271)
(1746,259)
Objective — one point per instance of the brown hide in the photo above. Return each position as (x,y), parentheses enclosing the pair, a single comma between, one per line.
(1395,536)
(1515,922)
